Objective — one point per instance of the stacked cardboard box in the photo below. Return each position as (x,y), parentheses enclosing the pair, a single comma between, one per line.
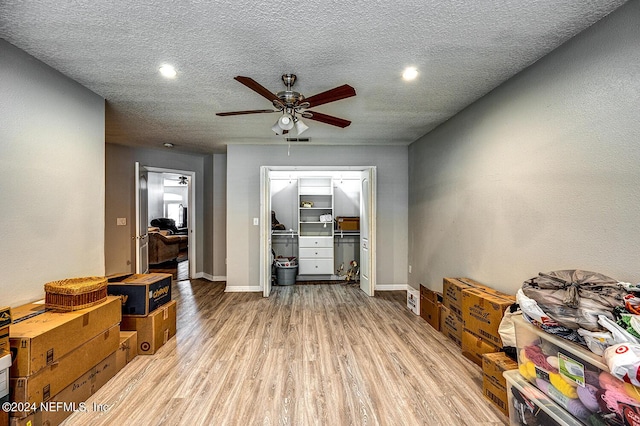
(52,351)
(471,314)
(482,312)
(451,323)
(430,302)
(128,348)
(494,385)
(147,308)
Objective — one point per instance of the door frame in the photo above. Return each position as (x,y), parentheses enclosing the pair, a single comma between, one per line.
(265,217)
(191,221)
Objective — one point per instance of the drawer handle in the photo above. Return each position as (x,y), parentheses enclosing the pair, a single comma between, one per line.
(316,266)
(316,253)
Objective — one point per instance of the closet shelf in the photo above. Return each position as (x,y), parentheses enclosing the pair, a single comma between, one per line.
(284,233)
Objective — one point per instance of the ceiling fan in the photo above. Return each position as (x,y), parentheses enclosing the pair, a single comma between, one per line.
(293,105)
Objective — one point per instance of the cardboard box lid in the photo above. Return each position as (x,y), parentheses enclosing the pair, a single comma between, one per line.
(146,278)
(431,295)
(29,320)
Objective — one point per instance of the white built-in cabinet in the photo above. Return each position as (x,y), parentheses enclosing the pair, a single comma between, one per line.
(315,226)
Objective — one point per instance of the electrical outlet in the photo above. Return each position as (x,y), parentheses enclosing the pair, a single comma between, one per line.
(256,221)
(409,268)
(121,221)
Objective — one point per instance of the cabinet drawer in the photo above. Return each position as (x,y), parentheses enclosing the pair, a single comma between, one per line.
(315,253)
(315,266)
(315,242)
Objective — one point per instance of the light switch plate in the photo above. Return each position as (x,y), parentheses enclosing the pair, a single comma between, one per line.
(121,221)
(256,221)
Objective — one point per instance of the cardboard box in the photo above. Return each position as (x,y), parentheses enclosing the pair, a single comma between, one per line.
(73,395)
(153,330)
(474,347)
(128,348)
(430,302)
(5,316)
(348,223)
(451,325)
(40,338)
(4,339)
(51,380)
(494,385)
(452,294)
(482,313)
(413,300)
(142,293)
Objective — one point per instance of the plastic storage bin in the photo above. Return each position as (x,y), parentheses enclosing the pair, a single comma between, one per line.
(286,275)
(529,406)
(574,377)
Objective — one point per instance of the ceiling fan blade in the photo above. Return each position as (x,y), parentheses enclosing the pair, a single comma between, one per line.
(253,111)
(328,119)
(258,88)
(332,95)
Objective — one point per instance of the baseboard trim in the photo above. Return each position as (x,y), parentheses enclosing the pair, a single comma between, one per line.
(243,289)
(209,277)
(391,287)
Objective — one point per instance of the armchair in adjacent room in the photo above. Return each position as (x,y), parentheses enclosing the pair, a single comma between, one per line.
(164,247)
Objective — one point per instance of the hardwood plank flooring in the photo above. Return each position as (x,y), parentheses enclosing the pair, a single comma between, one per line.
(307,355)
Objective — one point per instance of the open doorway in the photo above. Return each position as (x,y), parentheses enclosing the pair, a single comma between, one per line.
(314,238)
(165,205)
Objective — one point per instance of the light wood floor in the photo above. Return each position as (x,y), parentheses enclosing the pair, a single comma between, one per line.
(308,355)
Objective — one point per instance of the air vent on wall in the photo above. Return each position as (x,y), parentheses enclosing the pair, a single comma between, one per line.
(297,139)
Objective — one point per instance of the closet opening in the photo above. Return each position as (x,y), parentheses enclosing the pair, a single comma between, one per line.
(325,218)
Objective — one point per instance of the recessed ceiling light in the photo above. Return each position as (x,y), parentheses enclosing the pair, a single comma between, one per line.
(168,145)
(168,71)
(410,73)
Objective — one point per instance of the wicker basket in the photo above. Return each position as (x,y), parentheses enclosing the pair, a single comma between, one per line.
(75,293)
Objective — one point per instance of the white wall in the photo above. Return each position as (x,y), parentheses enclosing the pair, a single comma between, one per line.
(243,203)
(541,174)
(51,177)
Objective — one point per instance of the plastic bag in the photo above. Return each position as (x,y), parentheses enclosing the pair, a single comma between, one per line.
(506,329)
(620,335)
(575,298)
(623,361)
(597,341)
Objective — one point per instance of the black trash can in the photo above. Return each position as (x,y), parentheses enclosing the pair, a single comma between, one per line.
(286,275)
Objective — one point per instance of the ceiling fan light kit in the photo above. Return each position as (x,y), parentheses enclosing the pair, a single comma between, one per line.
(293,104)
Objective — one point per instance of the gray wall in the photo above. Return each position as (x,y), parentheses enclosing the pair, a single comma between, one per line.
(541,174)
(51,177)
(219,216)
(243,203)
(119,248)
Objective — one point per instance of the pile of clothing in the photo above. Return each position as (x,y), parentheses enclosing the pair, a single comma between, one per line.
(595,311)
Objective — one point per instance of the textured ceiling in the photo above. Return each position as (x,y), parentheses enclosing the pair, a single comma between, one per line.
(462,49)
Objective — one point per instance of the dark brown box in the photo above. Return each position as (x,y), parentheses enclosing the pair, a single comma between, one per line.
(430,302)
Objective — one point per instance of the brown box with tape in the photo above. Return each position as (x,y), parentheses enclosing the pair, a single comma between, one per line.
(153,330)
